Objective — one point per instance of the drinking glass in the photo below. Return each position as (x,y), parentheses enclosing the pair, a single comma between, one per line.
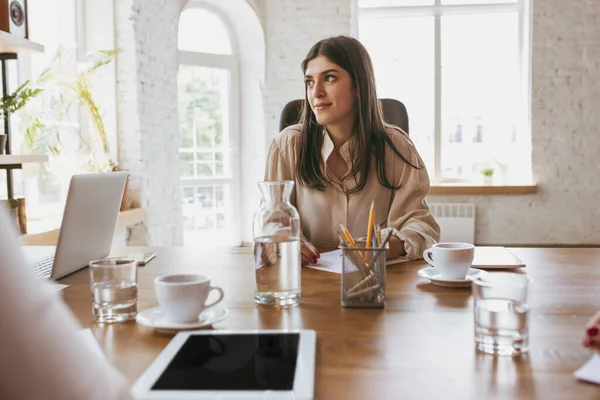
(501,313)
(113,282)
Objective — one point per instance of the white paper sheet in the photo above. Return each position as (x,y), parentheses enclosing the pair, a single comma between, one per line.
(332,262)
(590,372)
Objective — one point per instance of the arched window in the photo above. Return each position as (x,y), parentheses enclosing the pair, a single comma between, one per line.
(208,115)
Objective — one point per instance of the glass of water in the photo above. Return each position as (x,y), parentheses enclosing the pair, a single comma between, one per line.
(114,289)
(501,313)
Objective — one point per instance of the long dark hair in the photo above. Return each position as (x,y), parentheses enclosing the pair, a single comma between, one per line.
(370,133)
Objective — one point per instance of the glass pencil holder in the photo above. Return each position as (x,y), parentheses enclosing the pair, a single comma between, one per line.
(363,276)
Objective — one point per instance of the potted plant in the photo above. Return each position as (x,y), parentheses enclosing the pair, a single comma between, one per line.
(9,105)
(488,175)
(68,86)
(14,102)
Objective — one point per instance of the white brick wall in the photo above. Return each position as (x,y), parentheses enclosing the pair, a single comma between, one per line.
(146,34)
(291,29)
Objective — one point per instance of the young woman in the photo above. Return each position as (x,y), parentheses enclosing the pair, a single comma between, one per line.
(344,157)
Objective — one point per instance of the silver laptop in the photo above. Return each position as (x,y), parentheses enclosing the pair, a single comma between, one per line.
(87,228)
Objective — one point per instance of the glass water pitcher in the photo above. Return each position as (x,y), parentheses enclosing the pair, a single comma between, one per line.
(277,246)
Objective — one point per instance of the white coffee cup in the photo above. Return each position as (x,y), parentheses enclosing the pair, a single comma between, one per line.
(183,297)
(451,259)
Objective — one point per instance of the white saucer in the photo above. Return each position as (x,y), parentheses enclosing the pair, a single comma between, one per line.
(155,318)
(433,275)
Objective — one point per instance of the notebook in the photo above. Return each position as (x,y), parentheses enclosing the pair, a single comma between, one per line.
(495,257)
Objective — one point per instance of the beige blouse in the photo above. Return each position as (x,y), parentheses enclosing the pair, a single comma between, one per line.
(321,212)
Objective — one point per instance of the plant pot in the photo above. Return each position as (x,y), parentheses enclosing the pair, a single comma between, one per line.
(488,179)
(12,205)
(2,144)
(22,215)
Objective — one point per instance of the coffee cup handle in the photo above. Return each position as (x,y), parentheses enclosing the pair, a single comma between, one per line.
(221,295)
(427,256)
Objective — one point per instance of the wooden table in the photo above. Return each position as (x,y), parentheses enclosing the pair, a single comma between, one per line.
(419,346)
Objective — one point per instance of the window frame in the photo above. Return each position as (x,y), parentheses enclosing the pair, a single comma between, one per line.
(437,10)
(230,63)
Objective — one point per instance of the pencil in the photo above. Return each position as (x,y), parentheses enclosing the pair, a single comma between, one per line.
(360,283)
(348,236)
(377,252)
(363,291)
(370,227)
(357,259)
(374,239)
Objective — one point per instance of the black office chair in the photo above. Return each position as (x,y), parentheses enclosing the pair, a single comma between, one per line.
(394,112)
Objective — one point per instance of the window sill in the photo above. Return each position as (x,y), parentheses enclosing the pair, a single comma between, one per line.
(443,189)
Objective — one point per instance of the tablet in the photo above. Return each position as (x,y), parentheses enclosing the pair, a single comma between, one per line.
(227,364)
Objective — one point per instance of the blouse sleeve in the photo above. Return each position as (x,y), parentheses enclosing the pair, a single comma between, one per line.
(278,166)
(409,217)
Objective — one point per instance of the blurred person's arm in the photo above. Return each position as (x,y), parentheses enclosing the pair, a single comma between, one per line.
(41,354)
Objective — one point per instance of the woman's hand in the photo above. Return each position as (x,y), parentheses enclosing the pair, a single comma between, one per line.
(591,338)
(310,255)
(396,248)
(265,254)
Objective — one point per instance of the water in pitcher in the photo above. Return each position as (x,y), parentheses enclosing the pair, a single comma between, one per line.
(501,326)
(277,271)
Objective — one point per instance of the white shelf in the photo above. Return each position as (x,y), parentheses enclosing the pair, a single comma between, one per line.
(10,159)
(12,44)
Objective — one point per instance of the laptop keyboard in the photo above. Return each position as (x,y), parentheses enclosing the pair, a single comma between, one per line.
(43,266)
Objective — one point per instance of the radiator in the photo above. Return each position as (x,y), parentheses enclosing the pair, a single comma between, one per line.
(457,221)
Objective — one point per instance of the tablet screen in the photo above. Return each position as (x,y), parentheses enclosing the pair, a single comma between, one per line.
(262,361)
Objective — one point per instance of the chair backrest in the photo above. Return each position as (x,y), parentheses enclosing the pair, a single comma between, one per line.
(394,112)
